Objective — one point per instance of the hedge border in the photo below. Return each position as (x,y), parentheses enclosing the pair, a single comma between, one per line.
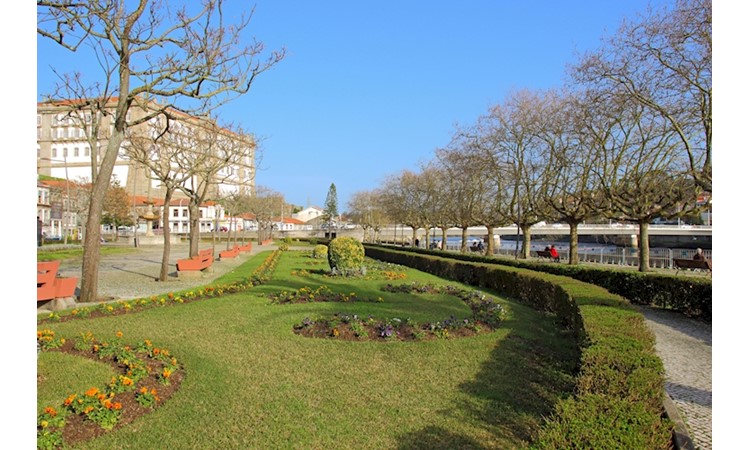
(619,393)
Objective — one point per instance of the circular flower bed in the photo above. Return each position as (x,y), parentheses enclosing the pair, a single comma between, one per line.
(147,376)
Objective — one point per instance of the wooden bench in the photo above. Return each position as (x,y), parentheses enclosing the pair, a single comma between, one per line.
(201,261)
(51,287)
(544,254)
(695,264)
(230,253)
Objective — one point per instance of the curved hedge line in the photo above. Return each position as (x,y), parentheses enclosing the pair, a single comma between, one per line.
(689,295)
(620,385)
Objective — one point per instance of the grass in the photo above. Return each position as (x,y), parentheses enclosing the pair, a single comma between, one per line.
(252,383)
(77,253)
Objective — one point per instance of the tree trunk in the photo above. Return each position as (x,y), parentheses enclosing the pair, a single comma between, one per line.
(464,238)
(90,267)
(194,236)
(444,244)
(526,248)
(490,250)
(643,248)
(167,241)
(413,237)
(573,258)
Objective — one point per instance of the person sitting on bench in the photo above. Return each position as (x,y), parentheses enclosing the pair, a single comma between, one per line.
(699,256)
(553,253)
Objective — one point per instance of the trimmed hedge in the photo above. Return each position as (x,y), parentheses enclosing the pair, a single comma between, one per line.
(689,295)
(620,385)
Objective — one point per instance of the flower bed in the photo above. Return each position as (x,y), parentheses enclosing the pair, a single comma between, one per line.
(147,376)
(487,315)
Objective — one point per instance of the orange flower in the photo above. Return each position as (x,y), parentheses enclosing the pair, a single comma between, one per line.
(118,405)
(88,409)
(69,400)
(166,372)
(92,392)
(118,334)
(156,351)
(144,390)
(50,410)
(126,381)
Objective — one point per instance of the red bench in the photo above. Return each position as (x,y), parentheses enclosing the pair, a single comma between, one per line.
(49,286)
(266,242)
(246,248)
(230,253)
(201,261)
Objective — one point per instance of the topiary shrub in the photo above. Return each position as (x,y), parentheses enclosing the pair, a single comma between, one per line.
(320,251)
(346,256)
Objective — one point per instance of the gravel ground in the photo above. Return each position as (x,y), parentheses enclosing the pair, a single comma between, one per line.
(133,275)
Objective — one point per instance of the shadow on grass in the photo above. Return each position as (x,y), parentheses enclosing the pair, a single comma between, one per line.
(432,438)
(528,371)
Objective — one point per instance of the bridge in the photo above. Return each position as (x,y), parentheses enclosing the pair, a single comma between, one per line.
(564,230)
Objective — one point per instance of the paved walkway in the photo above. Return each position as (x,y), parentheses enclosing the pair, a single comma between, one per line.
(133,275)
(684,345)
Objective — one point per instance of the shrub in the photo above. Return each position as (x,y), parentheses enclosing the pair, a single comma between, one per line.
(320,251)
(346,255)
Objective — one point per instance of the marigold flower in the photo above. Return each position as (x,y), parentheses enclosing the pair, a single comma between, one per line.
(126,381)
(166,372)
(119,334)
(92,392)
(88,409)
(144,390)
(50,410)
(69,400)
(118,405)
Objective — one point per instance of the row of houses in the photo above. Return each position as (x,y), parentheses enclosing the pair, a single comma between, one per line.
(61,210)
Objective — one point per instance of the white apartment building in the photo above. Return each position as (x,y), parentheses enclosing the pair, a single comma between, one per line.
(64,152)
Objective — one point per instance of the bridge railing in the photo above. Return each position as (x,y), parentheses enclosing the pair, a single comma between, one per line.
(659,258)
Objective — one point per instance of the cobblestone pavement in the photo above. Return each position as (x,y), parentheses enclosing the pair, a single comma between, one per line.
(684,345)
(133,275)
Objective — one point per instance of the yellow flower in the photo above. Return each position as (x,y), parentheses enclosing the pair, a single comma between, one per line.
(44,423)
(119,334)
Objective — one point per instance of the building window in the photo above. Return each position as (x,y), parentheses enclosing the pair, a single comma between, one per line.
(65,152)
(71,132)
(54,152)
(75,151)
(184,212)
(60,132)
(175,212)
(87,152)
(55,120)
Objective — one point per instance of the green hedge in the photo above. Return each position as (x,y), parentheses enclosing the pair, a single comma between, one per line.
(620,384)
(689,295)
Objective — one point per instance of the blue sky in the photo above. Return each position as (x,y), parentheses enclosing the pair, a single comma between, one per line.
(371,88)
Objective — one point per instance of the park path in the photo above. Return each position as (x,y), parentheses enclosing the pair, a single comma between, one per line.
(684,346)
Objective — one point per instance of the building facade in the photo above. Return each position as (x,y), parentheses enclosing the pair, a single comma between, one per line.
(65,152)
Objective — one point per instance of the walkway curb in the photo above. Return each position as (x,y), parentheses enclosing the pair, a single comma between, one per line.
(680,435)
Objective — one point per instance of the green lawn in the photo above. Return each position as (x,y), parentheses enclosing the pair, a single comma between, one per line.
(252,383)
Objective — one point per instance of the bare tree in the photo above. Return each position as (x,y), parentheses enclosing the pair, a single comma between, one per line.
(570,186)
(263,204)
(406,201)
(217,156)
(157,150)
(518,161)
(663,61)
(153,57)
(639,166)
(468,185)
